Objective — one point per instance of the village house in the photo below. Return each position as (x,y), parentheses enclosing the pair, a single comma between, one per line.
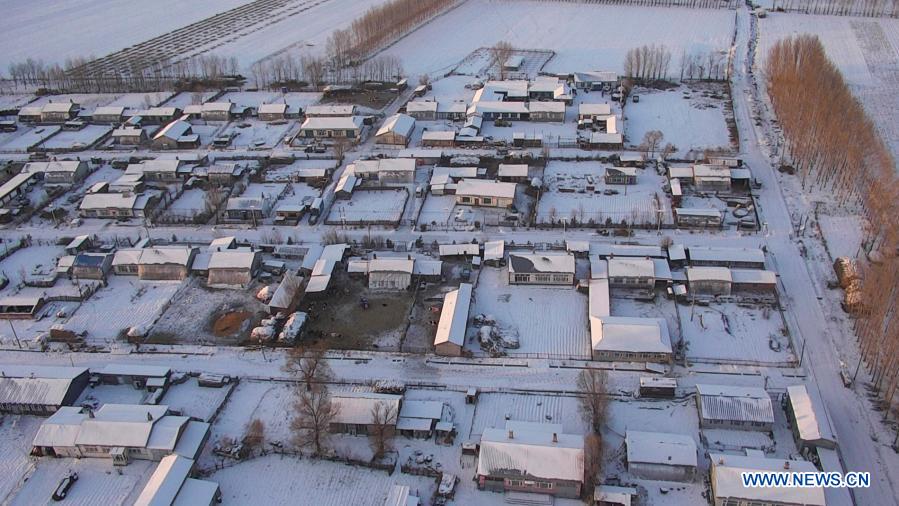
(595,80)
(121,432)
(40,390)
(233,267)
(341,127)
(161,169)
(492,110)
(60,172)
(438,138)
(745,258)
(418,419)
(390,273)
(547,111)
(512,173)
(711,178)
(811,426)
(753,282)
(546,88)
(732,407)
(593,112)
(217,111)
(158,115)
(354,411)
(91,266)
(248,209)
(176,135)
(603,140)
(171,485)
(108,114)
(541,268)
(272,112)
(632,273)
(161,263)
(385,170)
(422,110)
(728,487)
(58,112)
(631,160)
(125,261)
(129,136)
(21,307)
(449,339)
(531,457)
(709,281)
(629,339)
(451,111)
(620,175)
(660,456)
(29,114)
(330,111)
(698,217)
(150,377)
(118,205)
(483,193)
(397,131)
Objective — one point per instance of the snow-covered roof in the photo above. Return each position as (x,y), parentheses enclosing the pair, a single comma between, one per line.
(159,255)
(279,108)
(498,106)
(465,248)
(631,267)
(61,429)
(727,482)
(557,107)
(631,157)
(58,107)
(485,188)
(697,211)
(613,494)
(332,123)
(346,183)
(754,276)
(544,261)
(421,106)
(41,386)
(512,170)
(494,250)
(330,110)
(438,135)
(708,274)
(427,267)
(662,271)
(598,302)
(660,448)
(174,130)
(533,453)
(109,110)
(577,246)
(400,124)
(596,76)
(390,265)
(454,316)
(233,259)
(165,482)
(677,252)
(630,334)
(812,422)
(431,410)
(708,253)
(108,201)
(606,138)
(627,171)
(129,256)
(725,402)
(127,132)
(356,407)
(128,425)
(66,166)
(149,371)
(594,109)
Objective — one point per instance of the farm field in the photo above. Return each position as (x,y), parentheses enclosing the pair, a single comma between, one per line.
(569,29)
(866,50)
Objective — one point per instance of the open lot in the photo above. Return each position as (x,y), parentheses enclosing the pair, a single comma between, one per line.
(369,206)
(77,139)
(569,29)
(729,332)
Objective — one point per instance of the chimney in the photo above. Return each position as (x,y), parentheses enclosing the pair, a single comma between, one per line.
(555,438)
(511,434)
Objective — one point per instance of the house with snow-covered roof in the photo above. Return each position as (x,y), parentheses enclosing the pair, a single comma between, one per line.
(660,456)
(541,268)
(354,410)
(449,340)
(40,390)
(396,131)
(484,193)
(233,267)
(728,488)
(734,407)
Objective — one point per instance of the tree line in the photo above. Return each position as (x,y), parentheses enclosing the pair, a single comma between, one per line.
(653,62)
(836,148)
(869,8)
(693,4)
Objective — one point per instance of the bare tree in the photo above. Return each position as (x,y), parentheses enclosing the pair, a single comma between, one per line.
(592,461)
(651,141)
(501,52)
(383,425)
(591,384)
(340,148)
(313,413)
(254,435)
(310,364)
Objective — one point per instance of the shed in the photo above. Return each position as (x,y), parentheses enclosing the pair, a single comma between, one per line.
(660,456)
(733,407)
(390,273)
(494,252)
(449,339)
(808,417)
(396,131)
(40,390)
(541,268)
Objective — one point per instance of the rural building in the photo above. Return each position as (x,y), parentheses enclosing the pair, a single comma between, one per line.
(658,387)
(176,135)
(711,178)
(40,390)
(541,268)
(58,112)
(545,88)
(632,273)
(91,266)
(628,339)
(158,115)
(492,110)
(606,250)
(753,281)
(248,209)
(422,110)
(612,495)
(330,111)
(483,193)
(595,80)
(150,377)
(465,249)
(494,253)
(512,173)
(385,170)
(354,410)
(109,114)
(741,258)
(29,114)
(727,482)
(631,160)
(390,273)
(620,175)
(217,111)
(160,263)
(450,337)
(397,130)
(171,485)
(233,267)
(809,420)
(593,112)
(60,172)
(698,217)
(602,140)
(438,138)
(709,281)
(121,432)
(15,307)
(341,127)
(129,136)
(118,205)
(452,111)
(418,418)
(17,186)
(660,456)
(547,111)
(731,407)
(124,262)
(161,169)
(272,112)
(531,457)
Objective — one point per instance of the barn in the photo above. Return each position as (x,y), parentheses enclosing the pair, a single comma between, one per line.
(450,337)
(40,390)
(396,131)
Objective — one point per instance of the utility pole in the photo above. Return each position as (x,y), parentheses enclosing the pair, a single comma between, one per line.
(14,335)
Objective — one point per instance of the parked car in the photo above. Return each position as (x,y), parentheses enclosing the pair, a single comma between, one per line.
(62,490)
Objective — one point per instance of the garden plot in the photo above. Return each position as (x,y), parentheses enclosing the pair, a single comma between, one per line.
(281,480)
(26,137)
(842,234)
(253,134)
(691,117)
(242,406)
(569,29)
(729,332)
(29,260)
(142,100)
(481,63)
(494,409)
(566,197)
(381,207)
(17,432)
(76,139)
(297,193)
(96,484)
(866,50)
(195,401)
(124,303)
(437,211)
(191,202)
(548,321)
(15,101)
(185,98)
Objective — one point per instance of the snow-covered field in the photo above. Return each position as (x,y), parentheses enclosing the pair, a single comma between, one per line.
(76,139)
(866,50)
(50,31)
(369,206)
(730,332)
(584,36)
(25,137)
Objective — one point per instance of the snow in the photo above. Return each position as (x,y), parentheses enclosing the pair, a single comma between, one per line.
(76,139)
(96,483)
(369,206)
(26,137)
(569,29)
(728,332)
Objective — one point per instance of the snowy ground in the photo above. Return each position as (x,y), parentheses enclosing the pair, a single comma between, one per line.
(192,400)
(25,137)
(254,134)
(866,50)
(688,118)
(731,332)
(367,206)
(633,203)
(282,173)
(569,29)
(76,139)
(515,310)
